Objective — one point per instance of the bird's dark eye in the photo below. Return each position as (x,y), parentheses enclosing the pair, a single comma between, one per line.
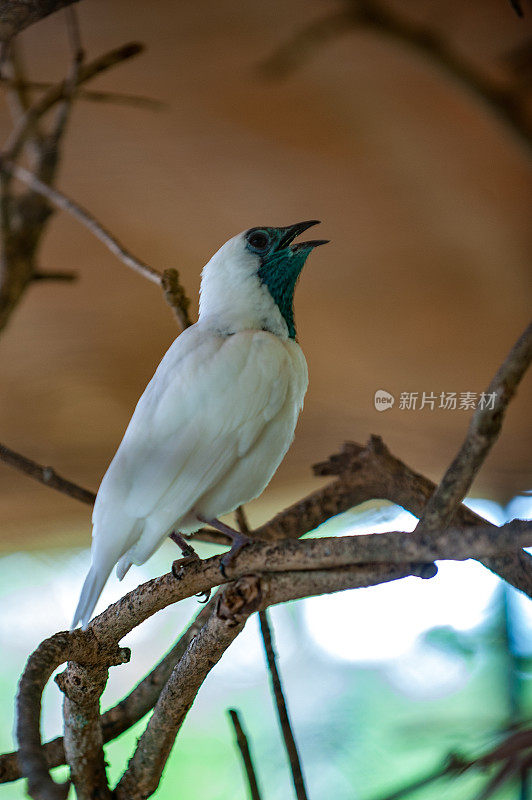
(258,241)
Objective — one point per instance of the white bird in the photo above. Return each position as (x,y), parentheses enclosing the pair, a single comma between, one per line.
(218,416)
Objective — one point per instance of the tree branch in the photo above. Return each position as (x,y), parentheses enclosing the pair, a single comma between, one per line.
(505,101)
(515,749)
(226,621)
(83,740)
(98,644)
(168,281)
(482,434)
(117,98)
(46,475)
(59,91)
(243,746)
(16,17)
(282,710)
(24,217)
(128,711)
(63,202)
(39,667)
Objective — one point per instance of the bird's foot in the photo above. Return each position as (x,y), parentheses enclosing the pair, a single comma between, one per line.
(239,541)
(189,554)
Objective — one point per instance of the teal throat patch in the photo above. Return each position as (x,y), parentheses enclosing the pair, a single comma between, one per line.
(279,272)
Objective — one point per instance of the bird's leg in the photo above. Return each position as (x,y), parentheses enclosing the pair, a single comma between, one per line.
(189,557)
(189,554)
(238,539)
(188,551)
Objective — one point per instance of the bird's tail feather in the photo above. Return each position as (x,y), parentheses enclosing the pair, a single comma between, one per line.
(92,589)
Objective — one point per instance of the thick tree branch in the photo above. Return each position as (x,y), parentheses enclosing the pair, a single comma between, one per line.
(98,645)
(83,740)
(365,473)
(128,711)
(228,618)
(243,746)
(40,665)
(372,472)
(282,709)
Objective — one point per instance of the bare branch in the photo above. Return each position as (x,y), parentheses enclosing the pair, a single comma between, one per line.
(282,710)
(16,17)
(364,473)
(382,551)
(514,749)
(505,101)
(97,644)
(75,646)
(62,276)
(63,202)
(45,475)
(370,472)
(482,434)
(128,711)
(169,281)
(83,740)
(145,768)
(116,98)
(59,91)
(176,297)
(23,218)
(243,746)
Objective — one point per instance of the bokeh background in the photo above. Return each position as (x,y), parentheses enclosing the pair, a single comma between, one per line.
(425,194)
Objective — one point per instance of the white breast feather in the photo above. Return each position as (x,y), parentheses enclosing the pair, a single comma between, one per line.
(207,434)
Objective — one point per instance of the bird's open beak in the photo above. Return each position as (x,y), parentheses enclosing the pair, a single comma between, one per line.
(291,231)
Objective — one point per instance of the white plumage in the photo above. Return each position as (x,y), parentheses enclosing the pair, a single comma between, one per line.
(214,422)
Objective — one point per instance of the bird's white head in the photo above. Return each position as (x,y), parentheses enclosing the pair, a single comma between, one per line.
(249,283)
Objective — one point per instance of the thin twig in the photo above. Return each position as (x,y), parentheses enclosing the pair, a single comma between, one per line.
(243,746)
(63,202)
(168,281)
(514,748)
(282,710)
(483,432)
(58,91)
(61,276)
(91,95)
(45,475)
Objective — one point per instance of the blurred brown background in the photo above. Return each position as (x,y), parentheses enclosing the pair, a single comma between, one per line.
(424,193)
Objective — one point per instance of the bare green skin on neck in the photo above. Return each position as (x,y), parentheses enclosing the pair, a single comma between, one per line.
(280,267)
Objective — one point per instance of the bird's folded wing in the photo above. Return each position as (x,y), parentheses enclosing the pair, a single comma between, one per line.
(195,421)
